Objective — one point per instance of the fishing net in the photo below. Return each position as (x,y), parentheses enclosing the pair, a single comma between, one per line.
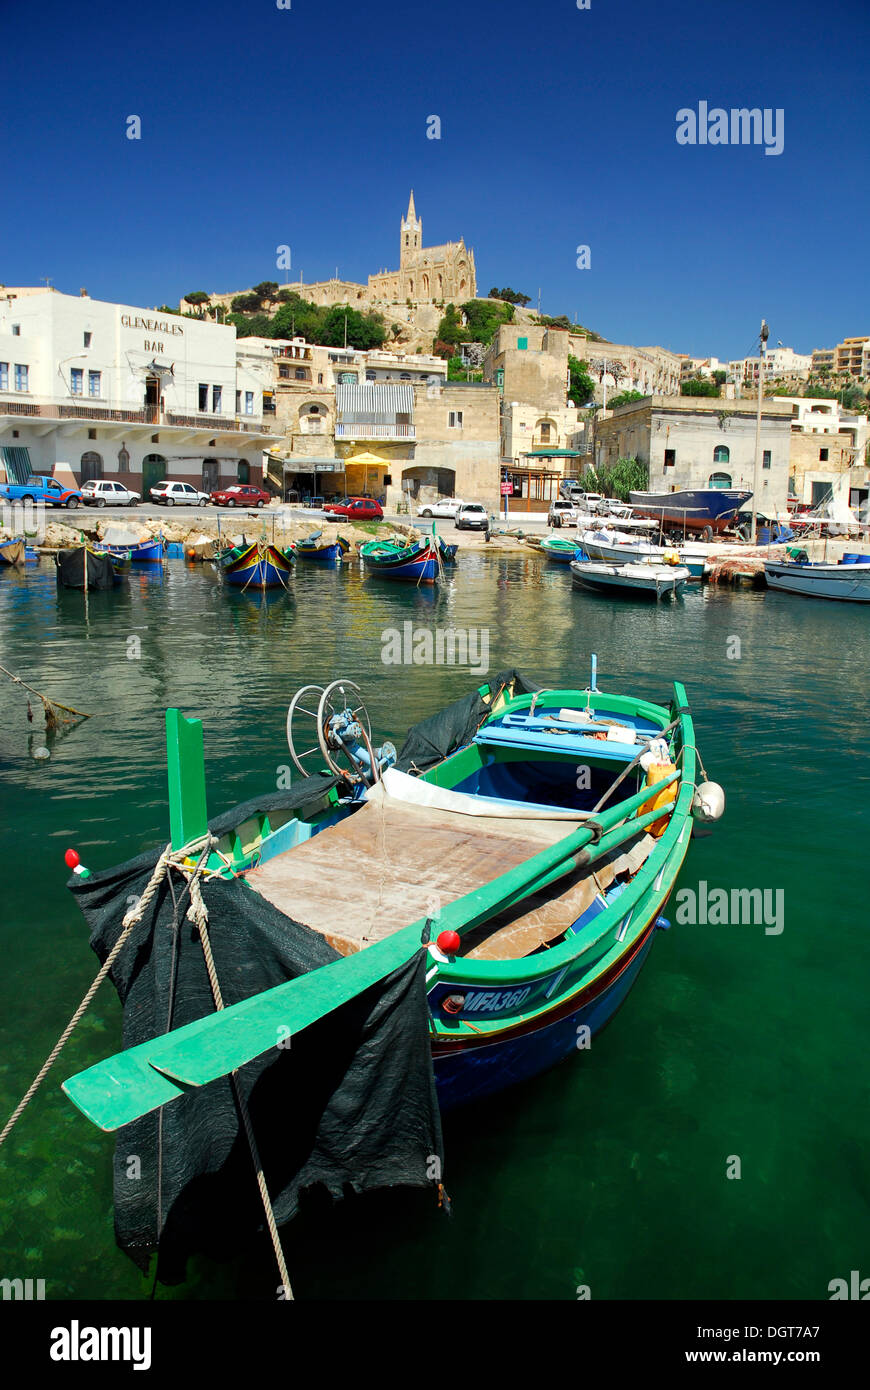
(349,1103)
(434,738)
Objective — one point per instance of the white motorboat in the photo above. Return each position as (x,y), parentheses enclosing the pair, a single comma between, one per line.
(618,548)
(655,581)
(848,582)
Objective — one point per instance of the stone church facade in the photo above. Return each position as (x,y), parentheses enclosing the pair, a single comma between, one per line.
(427,275)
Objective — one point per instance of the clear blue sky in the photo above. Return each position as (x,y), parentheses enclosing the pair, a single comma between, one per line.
(308,127)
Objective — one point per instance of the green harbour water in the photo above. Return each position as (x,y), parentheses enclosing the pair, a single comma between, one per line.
(610,1171)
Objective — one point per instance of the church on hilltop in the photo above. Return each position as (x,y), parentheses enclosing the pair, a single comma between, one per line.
(426,275)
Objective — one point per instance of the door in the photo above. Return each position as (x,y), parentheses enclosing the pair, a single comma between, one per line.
(153,472)
(210,475)
(91,467)
(152,399)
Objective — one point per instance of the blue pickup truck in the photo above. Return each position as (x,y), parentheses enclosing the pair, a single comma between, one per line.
(39,489)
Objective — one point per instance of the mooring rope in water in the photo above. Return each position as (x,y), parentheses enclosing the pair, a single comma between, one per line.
(48,705)
(128,922)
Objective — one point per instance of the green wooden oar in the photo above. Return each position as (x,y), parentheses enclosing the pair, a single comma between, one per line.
(132,1083)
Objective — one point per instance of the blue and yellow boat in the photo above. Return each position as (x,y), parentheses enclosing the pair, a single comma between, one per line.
(417,560)
(257,566)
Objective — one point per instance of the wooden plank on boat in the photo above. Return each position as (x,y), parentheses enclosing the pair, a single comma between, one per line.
(384,865)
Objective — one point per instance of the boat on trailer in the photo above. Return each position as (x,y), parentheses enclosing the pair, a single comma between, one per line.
(648,579)
(535,894)
(417,560)
(846,581)
(708,510)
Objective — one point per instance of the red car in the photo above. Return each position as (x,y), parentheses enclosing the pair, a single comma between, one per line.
(241,495)
(355,509)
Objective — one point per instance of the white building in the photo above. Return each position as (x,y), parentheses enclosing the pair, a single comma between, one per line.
(90,389)
(778,362)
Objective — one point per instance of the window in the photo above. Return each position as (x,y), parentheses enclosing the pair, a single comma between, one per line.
(216,394)
(721,454)
(522,344)
(301,374)
(670,458)
(765,459)
(320,378)
(16,330)
(454,419)
(77,382)
(87,338)
(4,376)
(94,383)
(823,456)
(249,402)
(203,397)
(238,402)
(545,432)
(721,480)
(22,377)
(284,372)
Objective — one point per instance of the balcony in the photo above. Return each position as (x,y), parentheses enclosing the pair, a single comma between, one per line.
(120,412)
(359,430)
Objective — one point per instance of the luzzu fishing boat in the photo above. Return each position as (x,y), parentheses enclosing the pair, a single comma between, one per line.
(533,894)
(416,560)
(86,567)
(257,566)
(330,554)
(148,551)
(559,550)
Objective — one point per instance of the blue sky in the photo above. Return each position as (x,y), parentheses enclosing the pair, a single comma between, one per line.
(307,127)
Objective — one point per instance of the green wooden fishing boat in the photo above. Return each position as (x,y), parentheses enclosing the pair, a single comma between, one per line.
(559,550)
(530,863)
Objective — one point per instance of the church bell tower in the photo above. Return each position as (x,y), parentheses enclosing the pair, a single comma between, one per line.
(411,238)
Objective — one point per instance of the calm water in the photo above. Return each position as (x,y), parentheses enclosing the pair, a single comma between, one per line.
(609,1171)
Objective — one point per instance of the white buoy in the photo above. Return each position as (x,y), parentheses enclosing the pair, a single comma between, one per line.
(708,803)
(41,754)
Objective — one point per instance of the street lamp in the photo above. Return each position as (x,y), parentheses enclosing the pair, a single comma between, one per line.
(763,336)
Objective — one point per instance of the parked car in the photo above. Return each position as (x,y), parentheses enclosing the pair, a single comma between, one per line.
(445,506)
(41,489)
(179,495)
(562,512)
(354,509)
(241,495)
(101,492)
(472,516)
(571,489)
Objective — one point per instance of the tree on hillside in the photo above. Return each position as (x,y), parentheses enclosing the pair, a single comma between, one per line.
(624,398)
(509,296)
(581,387)
(197,297)
(250,303)
(699,386)
(267,289)
(720,377)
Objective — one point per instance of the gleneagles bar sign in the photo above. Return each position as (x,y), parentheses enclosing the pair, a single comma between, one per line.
(163,326)
(153,325)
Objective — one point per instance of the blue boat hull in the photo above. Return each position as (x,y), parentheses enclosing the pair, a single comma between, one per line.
(422,571)
(473,1072)
(326,555)
(695,509)
(148,553)
(262,574)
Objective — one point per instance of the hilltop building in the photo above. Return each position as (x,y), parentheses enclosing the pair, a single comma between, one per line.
(427,275)
(851,358)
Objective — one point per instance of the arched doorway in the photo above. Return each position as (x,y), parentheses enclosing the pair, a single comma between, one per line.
(211,475)
(91,466)
(153,472)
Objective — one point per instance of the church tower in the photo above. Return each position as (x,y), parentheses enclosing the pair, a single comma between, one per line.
(411,239)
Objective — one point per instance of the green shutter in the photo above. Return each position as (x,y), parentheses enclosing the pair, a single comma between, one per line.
(522,344)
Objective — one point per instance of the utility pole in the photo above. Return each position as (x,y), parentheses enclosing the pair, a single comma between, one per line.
(762,339)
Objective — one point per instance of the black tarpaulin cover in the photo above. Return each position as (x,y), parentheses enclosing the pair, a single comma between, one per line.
(348,1102)
(71,569)
(434,738)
